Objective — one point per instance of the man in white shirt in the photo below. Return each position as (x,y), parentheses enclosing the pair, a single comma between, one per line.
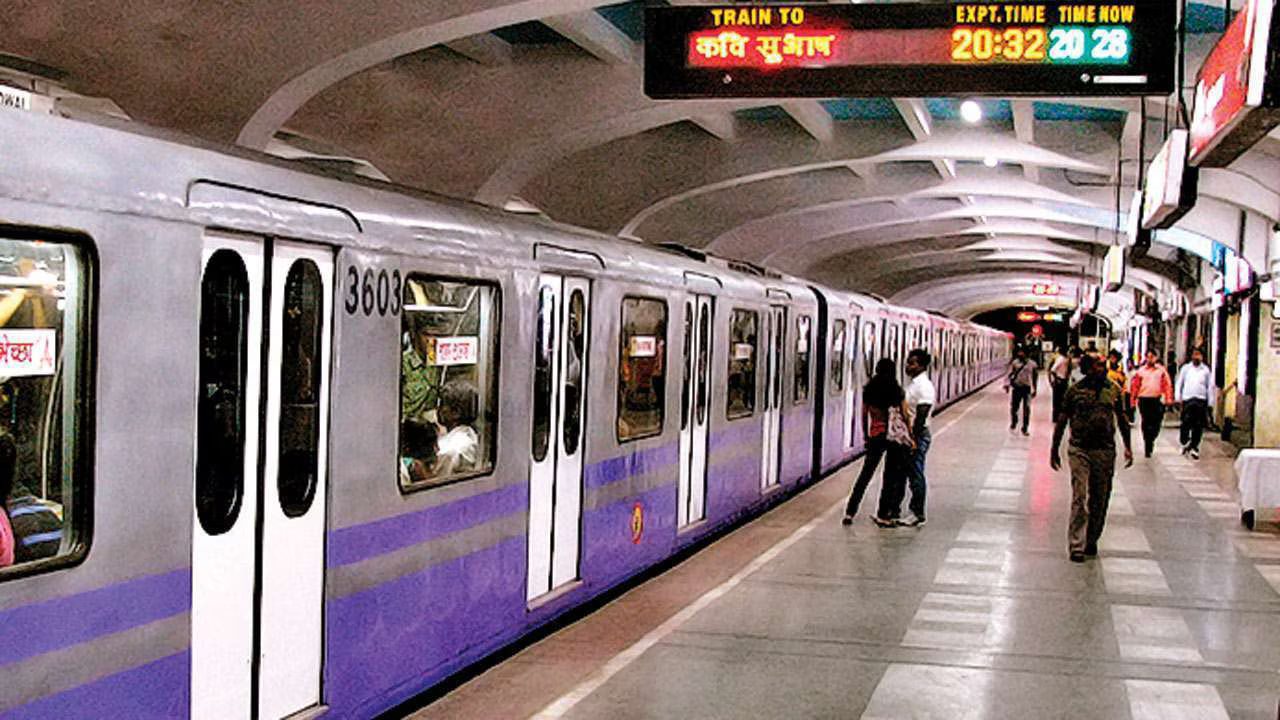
(1059,375)
(1194,390)
(921,397)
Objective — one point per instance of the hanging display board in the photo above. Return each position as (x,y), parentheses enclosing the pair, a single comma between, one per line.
(1234,106)
(910,49)
(1171,185)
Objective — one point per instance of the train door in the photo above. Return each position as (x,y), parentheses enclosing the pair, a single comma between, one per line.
(840,379)
(257,569)
(695,413)
(559,402)
(775,333)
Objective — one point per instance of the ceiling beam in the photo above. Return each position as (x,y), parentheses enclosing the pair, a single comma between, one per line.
(814,118)
(591,32)
(721,125)
(486,49)
(915,115)
(1024,127)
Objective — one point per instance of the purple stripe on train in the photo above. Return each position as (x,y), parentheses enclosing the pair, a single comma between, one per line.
(388,642)
(158,690)
(361,542)
(43,627)
(622,467)
(738,431)
(613,550)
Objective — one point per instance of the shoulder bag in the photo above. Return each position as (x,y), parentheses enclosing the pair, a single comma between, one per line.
(899,433)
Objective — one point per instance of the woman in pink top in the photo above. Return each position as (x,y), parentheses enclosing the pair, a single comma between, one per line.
(1152,391)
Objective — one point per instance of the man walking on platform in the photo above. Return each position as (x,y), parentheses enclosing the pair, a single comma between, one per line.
(1059,377)
(1152,392)
(921,397)
(1194,390)
(1093,409)
(1020,377)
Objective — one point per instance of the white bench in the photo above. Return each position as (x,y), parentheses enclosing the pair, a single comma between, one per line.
(1258,479)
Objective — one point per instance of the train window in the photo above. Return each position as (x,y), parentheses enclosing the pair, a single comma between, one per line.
(642,368)
(220,417)
(704,360)
(301,319)
(544,372)
(686,385)
(577,329)
(44,504)
(837,357)
(800,391)
(743,334)
(448,381)
(869,349)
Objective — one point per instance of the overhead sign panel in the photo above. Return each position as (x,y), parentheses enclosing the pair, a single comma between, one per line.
(1113,269)
(1234,106)
(910,49)
(1171,185)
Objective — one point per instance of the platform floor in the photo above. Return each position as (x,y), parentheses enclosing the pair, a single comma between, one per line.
(979,614)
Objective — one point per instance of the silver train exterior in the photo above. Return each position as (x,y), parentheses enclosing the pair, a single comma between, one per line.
(174,285)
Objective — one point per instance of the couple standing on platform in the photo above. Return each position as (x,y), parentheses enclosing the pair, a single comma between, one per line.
(895,425)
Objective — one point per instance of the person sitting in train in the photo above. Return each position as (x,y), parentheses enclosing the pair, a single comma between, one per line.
(418,451)
(8,459)
(459,449)
(419,378)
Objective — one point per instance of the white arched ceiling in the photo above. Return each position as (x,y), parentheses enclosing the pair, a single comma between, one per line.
(286,100)
(429,93)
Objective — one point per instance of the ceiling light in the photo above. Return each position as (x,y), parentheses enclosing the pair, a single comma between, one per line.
(990,161)
(970,111)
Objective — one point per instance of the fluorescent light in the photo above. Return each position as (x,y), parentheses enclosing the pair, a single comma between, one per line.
(990,161)
(971,111)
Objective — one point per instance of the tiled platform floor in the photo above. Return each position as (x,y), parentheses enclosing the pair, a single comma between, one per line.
(978,614)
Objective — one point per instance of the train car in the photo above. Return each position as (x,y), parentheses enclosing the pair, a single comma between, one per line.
(306,444)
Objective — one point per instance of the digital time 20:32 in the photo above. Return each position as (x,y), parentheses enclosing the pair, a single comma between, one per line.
(1062,44)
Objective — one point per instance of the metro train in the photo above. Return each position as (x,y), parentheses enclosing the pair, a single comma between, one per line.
(307,445)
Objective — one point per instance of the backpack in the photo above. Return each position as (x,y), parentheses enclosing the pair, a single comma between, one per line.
(37,529)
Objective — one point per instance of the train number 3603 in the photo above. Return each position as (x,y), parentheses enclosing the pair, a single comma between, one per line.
(371,291)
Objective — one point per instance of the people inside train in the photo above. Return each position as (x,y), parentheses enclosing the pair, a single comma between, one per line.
(1195,392)
(1020,381)
(418,450)
(1151,391)
(1093,411)
(459,450)
(921,398)
(420,378)
(881,397)
(1059,377)
(8,456)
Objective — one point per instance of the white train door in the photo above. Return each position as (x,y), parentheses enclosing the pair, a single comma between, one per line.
(695,413)
(261,463)
(559,404)
(775,333)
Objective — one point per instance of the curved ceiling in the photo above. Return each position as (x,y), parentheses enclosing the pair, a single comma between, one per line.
(539,102)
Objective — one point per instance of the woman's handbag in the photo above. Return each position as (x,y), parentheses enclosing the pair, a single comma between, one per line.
(899,433)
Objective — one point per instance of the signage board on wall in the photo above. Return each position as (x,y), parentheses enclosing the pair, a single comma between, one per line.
(1171,185)
(1234,106)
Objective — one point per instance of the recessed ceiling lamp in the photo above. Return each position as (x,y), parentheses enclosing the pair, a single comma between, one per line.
(990,161)
(971,111)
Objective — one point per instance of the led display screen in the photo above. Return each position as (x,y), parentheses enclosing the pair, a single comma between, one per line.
(1029,48)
